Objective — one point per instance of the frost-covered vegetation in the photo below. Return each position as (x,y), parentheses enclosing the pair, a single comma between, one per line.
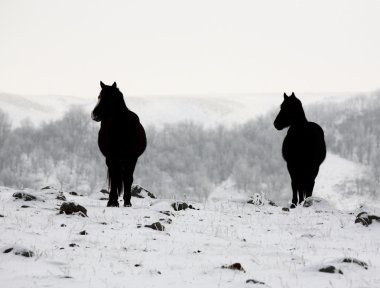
(186,160)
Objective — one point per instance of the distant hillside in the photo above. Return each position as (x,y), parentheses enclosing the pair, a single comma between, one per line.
(352,131)
(209,110)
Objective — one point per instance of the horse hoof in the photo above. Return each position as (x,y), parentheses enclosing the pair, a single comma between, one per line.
(127,204)
(292,206)
(113,204)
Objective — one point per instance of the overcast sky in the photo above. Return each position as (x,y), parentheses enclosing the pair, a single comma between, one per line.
(189,47)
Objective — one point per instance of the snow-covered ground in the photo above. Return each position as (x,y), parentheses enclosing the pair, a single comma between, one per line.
(276,247)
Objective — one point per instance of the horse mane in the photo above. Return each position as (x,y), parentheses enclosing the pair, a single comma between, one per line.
(298,111)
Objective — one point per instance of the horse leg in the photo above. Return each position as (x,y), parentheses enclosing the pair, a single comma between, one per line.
(301,193)
(129,168)
(310,186)
(114,180)
(295,184)
(294,199)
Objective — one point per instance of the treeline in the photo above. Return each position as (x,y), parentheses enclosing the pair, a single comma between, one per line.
(353,132)
(186,160)
(182,160)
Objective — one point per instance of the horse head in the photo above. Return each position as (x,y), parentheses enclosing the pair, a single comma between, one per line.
(110,100)
(291,112)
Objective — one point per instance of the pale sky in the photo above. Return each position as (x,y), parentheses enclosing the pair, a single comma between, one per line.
(189,47)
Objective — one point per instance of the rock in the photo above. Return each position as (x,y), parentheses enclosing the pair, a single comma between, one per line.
(73,193)
(84,232)
(25,206)
(253,281)
(46,188)
(140,192)
(178,206)
(286,209)
(104,191)
(235,266)
(366,219)
(60,196)
(167,213)
(103,198)
(330,269)
(1,215)
(19,251)
(73,245)
(271,203)
(355,261)
(318,203)
(156,226)
(24,196)
(72,208)
(63,225)
(169,221)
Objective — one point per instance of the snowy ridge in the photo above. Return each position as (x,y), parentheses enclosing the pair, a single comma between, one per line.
(209,110)
(275,247)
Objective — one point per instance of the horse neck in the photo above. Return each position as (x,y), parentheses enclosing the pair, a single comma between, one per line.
(299,119)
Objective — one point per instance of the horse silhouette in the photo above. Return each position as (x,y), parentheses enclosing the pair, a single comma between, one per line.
(121,140)
(303,149)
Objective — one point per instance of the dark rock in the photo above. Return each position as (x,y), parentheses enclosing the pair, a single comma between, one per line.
(1,215)
(25,206)
(169,221)
(20,251)
(138,191)
(46,187)
(330,269)
(168,213)
(73,193)
(25,253)
(103,198)
(72,208)
(104,191)
(253,281)
(286,209)
(73,245)
(178,206)
(308,202)
(366,219)
(235,266)
(271,203)
(63,225)
(355,261)
(24,196)
(60,196)
(84,232)
(156,226)
(192,207)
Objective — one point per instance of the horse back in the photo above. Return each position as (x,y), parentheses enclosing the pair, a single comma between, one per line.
(122,136)
(305,144)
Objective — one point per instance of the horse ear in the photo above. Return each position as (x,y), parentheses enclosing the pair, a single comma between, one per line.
(292,95)
(102,84)
(114,85)
(285,96)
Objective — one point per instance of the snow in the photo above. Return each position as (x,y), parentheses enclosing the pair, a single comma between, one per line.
(279,248)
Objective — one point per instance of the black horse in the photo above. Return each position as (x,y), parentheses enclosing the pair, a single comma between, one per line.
(304,147)
(121,140)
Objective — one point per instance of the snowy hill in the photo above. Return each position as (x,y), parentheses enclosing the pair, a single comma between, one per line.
(113,248)
(210,110)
